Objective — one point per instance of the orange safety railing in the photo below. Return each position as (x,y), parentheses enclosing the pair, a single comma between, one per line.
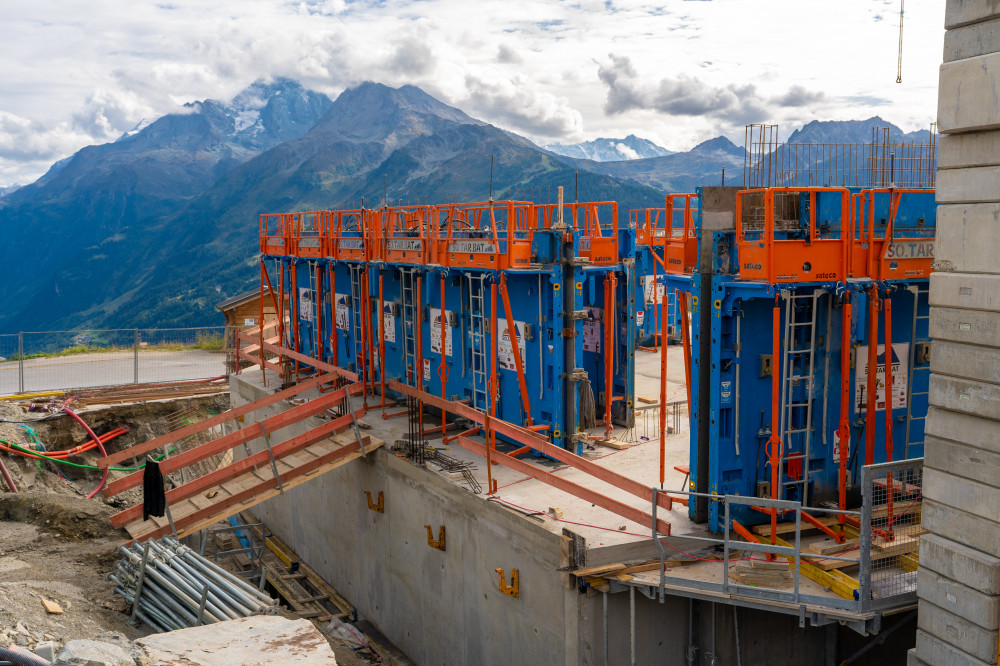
(348,234)
(407,235)
(781,240)
(894,252)
(493,235)
(307,234)
(274,233)
(599,242)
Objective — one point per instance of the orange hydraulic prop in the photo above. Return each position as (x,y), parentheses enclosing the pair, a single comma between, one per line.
(263,375)
(774,443)
(490,432)
(296,347)
(609,349)
(381,340)
(686,344)
(871,387)
(319,313)
(844,432)
(420,348)
(366,331)
(281,308)
(663,380)
(889,490)
(443,369)
(515,347)
(334,336)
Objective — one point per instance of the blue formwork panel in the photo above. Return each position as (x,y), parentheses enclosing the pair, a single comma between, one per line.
(735,353)
(650,282)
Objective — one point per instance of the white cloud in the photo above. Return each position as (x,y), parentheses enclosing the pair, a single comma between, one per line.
(79,73)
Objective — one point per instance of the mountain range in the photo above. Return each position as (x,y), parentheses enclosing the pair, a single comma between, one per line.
(610,150)
(154,229)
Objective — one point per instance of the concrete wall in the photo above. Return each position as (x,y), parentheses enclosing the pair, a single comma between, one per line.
(959,576)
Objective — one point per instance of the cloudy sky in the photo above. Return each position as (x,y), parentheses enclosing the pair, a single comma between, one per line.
(674,71)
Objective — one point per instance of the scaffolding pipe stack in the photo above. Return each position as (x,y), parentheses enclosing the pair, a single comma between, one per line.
(171,587)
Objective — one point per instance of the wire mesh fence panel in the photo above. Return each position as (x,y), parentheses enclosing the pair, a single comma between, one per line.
(57,360)
(77,359)
(893,494)
(10,367)
(173,354)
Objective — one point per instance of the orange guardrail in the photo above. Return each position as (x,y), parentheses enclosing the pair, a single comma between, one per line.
(897,253)
(493,235)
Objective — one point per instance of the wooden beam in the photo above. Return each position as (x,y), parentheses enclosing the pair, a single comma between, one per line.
(236,413)
(575,489)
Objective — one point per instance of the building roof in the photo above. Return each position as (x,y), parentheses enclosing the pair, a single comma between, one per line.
(239,299)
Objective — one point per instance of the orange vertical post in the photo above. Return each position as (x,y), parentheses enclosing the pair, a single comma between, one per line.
(774,443)
(443,370)
(844,432)
(381,339)
(663,378)
(260,349)
(420,350)
(871,386)
(334,336)
(294,307)
(887,309)
(319,313)
(515,346)
(686,344)
(492,435)
(609,348)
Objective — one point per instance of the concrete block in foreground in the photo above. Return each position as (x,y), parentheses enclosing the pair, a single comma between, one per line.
(260,639)
(912,659)
(962,12)
(967,636)
(958,599)
(957,562)
(972,81)
(935,651)
(968,236)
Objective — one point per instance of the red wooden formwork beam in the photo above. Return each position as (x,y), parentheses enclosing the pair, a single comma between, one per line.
(182,522)
(567,486)
(226,442)
(310,361)
(228,415)
(257,360)
(261,458)
(539,443)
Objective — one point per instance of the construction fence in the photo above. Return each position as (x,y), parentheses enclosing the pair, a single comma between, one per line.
(34,361)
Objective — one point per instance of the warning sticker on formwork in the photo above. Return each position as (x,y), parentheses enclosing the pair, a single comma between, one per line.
(648,295)
(343,313)
(436,331)
(388,323)
(900,366)
(592,330)
(306,305)
(505,351)
(427,370)
(640,316)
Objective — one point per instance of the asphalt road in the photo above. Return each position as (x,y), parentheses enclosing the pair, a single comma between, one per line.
(82,370)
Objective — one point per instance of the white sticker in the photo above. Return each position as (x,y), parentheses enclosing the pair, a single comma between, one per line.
(836,447)
(249,321)
(306,304)
(640,317)
(388,324)
(900,365)
(427,370)
(343,313)
(505,351)
(648,295)
(592,331)
(436,331)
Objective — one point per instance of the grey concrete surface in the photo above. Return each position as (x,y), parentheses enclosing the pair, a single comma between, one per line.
(968,240)
(966,150)
(961,563)
(957,631)
(961,600)
(962,12)
(965,99)
(934,651)
(972,40)
(110,368)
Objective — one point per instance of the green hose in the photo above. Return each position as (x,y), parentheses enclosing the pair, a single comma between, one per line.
(71,464)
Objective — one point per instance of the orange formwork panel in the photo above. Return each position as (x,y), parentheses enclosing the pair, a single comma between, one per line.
(492,235)
(896,254)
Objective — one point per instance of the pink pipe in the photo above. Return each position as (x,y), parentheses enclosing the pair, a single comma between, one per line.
(100,447)
(7,477)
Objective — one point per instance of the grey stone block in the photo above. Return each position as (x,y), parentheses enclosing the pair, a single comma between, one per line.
(972,40)
(958,562)
(936,652)
(968,291)
(47,650)
(979,499)
(961,527)
(957,631)
(968,429)
(962,12)
(971,184)
(965,103)
(968,235)
(968,150)
(968,462)
(965,602)
(965,395)
(92,653)
(971,326)
(912,659)
(967,361)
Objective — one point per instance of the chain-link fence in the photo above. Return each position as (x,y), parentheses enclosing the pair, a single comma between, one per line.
(51,360)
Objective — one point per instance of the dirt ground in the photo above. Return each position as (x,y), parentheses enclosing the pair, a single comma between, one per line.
(59,546)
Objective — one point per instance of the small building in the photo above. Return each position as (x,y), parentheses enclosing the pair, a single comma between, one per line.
(242,313)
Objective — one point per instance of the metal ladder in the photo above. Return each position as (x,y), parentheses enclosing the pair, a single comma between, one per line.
(356,295)
(798,379)
(919,321)
(317,349)
(407,279)
(478,330)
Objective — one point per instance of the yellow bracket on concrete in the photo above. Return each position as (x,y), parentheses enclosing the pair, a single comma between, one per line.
(512,589)
(439,544)
(380,507)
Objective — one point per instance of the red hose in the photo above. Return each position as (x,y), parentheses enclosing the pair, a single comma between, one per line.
(7,477)
(100,447)
(68,453)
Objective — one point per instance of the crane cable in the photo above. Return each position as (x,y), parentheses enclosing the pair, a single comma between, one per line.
(899,62)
